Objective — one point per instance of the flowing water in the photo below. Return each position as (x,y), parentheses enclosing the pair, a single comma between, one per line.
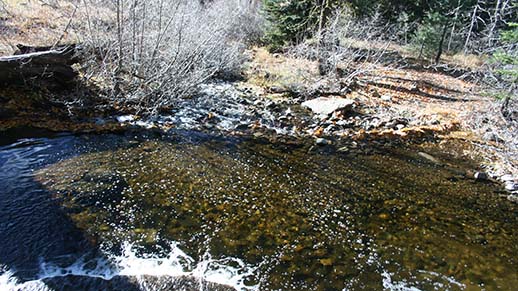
(196,212)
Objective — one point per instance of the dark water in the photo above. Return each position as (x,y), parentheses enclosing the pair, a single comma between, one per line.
(176,213)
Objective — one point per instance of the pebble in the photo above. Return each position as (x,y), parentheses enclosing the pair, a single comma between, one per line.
(386,97)
(429,158)
(343,149)
(277,89)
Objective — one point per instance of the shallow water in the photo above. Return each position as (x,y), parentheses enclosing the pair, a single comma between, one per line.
(245,213)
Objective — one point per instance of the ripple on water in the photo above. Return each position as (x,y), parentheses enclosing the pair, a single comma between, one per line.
(295,220)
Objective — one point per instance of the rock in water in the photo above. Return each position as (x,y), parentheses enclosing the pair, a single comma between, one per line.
(322,141)
(328,105)
(430,158)
(481,176)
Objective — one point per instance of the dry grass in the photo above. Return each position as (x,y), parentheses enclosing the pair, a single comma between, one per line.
(422,97)
(498,137)
(35,23)
(469,61)
(43,23)
(276,70)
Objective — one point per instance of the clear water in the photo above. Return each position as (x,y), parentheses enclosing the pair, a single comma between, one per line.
(246,214)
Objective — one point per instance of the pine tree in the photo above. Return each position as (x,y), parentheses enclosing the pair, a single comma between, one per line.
(293,20)
(507,63)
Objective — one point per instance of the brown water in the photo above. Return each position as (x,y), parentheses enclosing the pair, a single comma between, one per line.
(300,218)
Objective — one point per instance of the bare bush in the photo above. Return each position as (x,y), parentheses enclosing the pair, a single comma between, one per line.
(150,53)
(348,46)
(3,7)
(501,134)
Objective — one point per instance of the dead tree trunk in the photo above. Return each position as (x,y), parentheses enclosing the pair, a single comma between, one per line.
(494,21)
(39,66)
(471,26)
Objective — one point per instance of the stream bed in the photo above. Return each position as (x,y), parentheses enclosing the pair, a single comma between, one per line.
(191,211)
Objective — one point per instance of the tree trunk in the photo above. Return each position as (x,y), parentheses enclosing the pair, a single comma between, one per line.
(323,65)
(38,66)
(494,22)
(118,71)
(471,25)
(504,109)
(441,44)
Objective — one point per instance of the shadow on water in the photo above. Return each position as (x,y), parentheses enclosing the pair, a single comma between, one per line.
(34,227)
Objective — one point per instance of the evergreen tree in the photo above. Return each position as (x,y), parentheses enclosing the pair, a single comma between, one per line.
(293,20)
(507,64)
(429,37)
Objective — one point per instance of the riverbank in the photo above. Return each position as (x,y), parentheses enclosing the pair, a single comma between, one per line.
(283,97)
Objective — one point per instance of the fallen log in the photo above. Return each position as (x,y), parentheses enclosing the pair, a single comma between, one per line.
(39,67)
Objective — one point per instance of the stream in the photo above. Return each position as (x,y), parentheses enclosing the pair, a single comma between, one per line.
(195,211)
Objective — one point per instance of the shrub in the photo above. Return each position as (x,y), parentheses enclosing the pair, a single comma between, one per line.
(429,35)
(507,57)
(506,68)
(293,20)
(150,53)
(347,46)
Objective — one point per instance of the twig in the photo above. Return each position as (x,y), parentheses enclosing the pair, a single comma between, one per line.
(66,28)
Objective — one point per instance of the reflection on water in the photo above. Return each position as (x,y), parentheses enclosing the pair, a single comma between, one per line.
(282,217)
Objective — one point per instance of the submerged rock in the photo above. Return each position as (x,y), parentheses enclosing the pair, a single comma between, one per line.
(328,105)
(343,149)
(429,158)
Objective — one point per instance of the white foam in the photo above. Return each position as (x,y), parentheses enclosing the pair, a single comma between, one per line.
(388,284)
(441,282)
(8,282)
(125,118)
(228,271)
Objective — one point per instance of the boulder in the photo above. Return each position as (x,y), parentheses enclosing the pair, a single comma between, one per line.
(328,105)
(511,186)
